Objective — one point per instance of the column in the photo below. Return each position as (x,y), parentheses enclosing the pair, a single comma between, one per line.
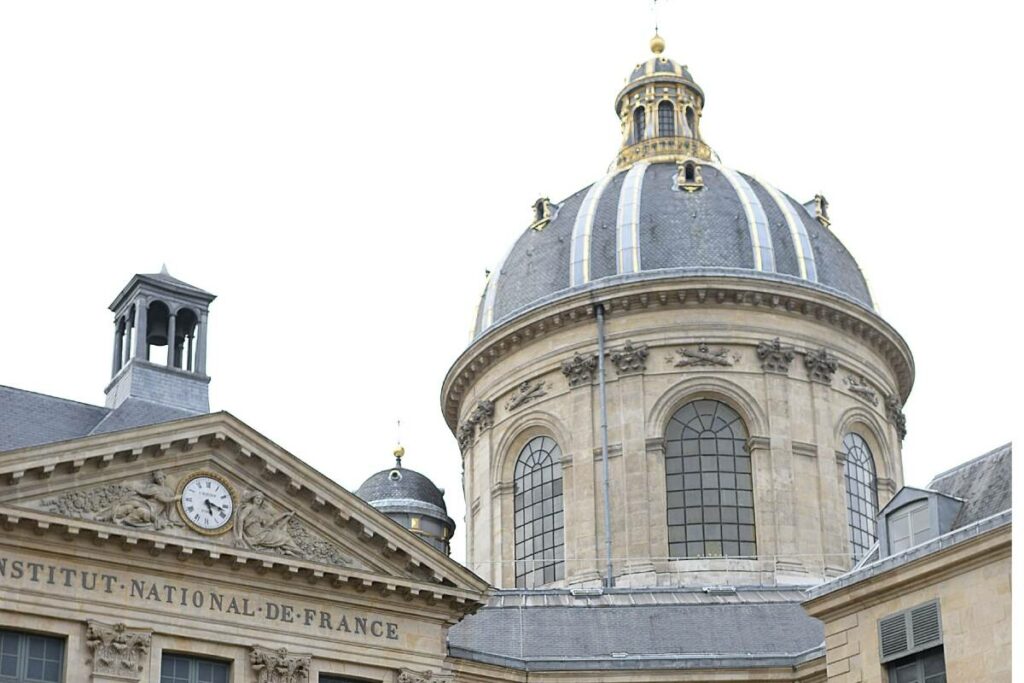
(171,343)
(118,334)
(127,343)
(201,344)
(141,319)
(189,355)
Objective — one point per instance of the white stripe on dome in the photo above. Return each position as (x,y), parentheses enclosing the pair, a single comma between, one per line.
(798,231)
(492,288)
(627,222)
(760,236)
(579,248)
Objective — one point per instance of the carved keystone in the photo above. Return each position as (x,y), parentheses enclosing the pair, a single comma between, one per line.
(117,650)
(277,666)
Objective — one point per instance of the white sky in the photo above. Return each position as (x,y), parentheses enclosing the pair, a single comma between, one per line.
(341,175)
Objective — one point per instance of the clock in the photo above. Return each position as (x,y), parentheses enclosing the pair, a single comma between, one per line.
(206,502)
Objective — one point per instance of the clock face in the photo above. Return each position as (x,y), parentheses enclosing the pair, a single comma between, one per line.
(206,503)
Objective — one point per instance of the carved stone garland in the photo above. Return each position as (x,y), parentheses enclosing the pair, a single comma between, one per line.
(580,369)
(630,358)
(703,355)
(775,356)
(117,650)
(821,365)
(479,419)
(409,676)
(860,386)
(525,393)
(894,409)
(277,666)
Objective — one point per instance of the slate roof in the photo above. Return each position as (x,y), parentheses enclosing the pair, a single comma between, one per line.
(30,419)
(406,485)
(700,233)
(639,629)
(984,484)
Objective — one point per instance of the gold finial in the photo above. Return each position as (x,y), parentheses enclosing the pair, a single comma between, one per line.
(657,44)
(398,453)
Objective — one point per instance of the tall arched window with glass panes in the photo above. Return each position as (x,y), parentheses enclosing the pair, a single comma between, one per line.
(639,124)
(666,119)
(709,484)
(861,494)
(539,515)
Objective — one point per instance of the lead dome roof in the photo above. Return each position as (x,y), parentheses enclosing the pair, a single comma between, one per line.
(398,484)
(636,223)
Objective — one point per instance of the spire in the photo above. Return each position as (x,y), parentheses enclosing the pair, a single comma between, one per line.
(660,109)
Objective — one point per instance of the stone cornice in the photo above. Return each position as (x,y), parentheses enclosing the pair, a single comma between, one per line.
(678,292)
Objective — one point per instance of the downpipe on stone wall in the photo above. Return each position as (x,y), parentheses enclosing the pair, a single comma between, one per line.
(608,580)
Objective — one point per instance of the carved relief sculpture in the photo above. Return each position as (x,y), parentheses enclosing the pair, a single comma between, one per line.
(859,385)
(703,355)
(579,369)
(117,650)
(464,435)
(894,409)
(630,358)
(821,365)
(525,393)
(482,416)
(260,527)
(146,505)
(277,666)
(775,356)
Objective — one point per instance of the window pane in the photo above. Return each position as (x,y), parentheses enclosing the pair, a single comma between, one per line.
(538,513)
(716,479)
(861,494)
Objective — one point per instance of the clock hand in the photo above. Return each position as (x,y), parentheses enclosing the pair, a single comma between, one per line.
(210,502)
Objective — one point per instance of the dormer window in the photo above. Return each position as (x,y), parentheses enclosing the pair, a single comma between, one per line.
(542,213)
(688,176)
(909,526)
(666,119)
(639,124)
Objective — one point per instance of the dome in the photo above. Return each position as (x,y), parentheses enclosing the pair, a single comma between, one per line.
(639,222)
(660,66)
(399,485)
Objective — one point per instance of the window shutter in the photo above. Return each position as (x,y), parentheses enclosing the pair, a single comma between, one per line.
(894,636)
(925,630)
(909,631)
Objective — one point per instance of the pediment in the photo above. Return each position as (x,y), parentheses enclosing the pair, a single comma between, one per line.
(284,514)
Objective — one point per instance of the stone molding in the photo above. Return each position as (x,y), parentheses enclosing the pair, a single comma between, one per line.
(703,355)
(655,446)
(614,451)
(775,356)
(676,292)
(808,450)
(756,443)
(117,650)
(631,358)
(278,666)
(580,369)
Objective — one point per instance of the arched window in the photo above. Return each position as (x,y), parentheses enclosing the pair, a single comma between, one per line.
(709,484)
(539,520)
(639,124)
(666,119)
(689,172)
(861,495)
(691,122)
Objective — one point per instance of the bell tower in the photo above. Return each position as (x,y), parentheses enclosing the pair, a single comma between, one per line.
(160,328)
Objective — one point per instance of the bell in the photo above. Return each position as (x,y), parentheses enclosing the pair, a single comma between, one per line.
(156,333)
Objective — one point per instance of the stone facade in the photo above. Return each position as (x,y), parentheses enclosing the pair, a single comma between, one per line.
(795,421)
(971,582)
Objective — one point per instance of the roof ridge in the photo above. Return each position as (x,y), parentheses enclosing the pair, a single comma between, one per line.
(1008,446)
(57,398)
(93,432)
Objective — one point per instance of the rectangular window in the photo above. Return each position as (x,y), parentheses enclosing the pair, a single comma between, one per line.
(30,658)
(331,678)
(186,669)
(924,667)
(909,526)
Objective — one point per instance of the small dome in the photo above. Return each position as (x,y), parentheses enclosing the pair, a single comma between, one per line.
(660,66)
(390,487)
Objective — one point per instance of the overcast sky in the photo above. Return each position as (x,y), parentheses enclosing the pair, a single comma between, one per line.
(341,175)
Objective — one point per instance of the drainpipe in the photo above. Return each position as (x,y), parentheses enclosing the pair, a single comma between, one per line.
(608,581)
